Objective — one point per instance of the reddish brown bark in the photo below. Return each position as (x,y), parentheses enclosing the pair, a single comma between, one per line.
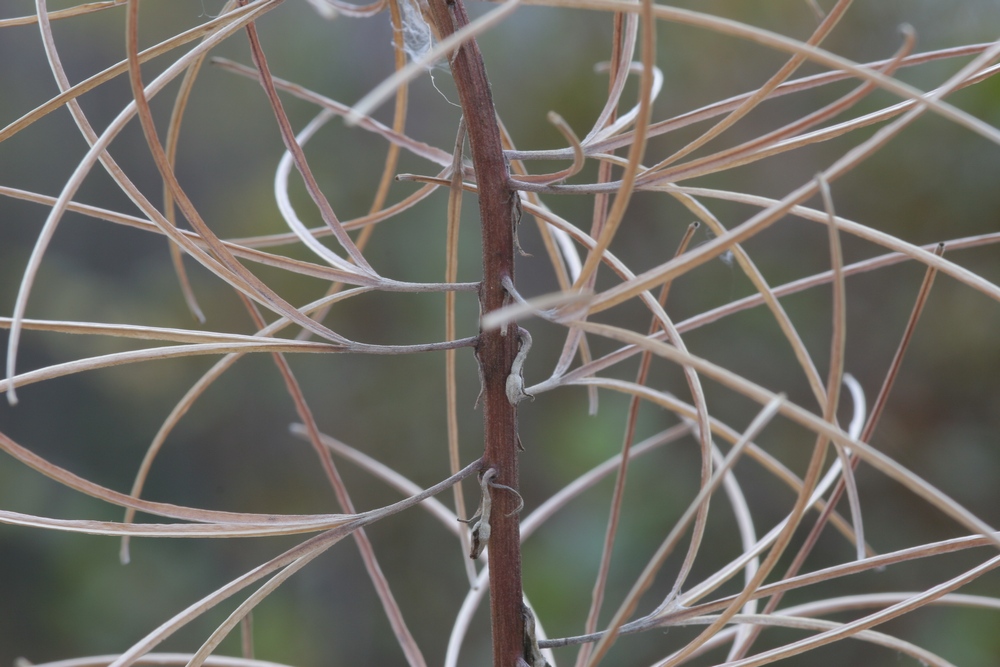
(495,350)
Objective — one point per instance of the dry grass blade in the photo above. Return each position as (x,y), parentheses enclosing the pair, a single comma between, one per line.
(716,109)
(243,610)
(298,228)
(773,144)
(167,510)
(451,381)
(160,353)
(157,659)
(876,459)
(790,136)
(173,138)
(852,628)
(365,222)
(263,528)
(922,254)
(69,12)
(762,220)
(879,562)
(388,475)
(788,620)
(139,332)
(600,582)
(808,282)
(835,379)
(239,248)
(626,30)
(834,382)
(865,429)
(578,156)
(543,513)
(603,321)
(812,53)
(266,523)
(252,286)
(299,555)
(890,378)
(829,22)
(636,151)
(192,395)
(628,118)
(97,152)
(406,641)
(293,146)
(395,136)
(212,26)
(645,580)
(689,413)
(767,294)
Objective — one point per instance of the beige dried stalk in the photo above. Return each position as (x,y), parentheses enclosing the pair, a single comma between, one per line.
(576,296)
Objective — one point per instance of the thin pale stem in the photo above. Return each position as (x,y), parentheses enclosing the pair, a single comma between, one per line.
(813,537)
(597,595)
(406,641)
(636,151)
(765,91)
(649,573)
(451,382)
(292,145)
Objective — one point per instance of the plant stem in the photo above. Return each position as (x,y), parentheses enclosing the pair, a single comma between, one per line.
(496,349)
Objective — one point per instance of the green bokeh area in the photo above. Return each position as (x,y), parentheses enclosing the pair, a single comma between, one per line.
(65,595)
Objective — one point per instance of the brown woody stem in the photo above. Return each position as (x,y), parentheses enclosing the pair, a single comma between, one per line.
(496,349)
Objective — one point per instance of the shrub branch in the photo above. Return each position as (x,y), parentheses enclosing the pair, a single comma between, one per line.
(495,350)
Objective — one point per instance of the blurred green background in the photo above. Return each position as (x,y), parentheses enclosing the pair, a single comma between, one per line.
(64,595)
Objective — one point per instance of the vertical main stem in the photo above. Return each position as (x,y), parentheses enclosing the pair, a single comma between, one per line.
(495,350)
